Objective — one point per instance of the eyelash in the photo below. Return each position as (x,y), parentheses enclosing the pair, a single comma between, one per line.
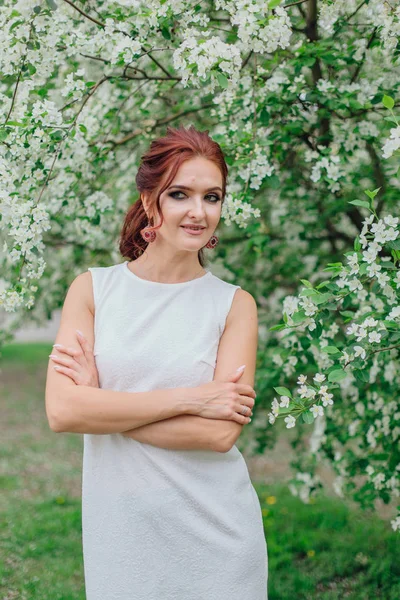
(172,194)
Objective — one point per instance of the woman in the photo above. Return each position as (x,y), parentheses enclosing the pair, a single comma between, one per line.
(168,508)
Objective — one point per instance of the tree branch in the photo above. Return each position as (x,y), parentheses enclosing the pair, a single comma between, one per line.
(362,61)
(379,175)
(100,24)
(158,123)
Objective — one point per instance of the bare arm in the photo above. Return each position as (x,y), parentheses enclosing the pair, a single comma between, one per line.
(84,409)
(238,345)
(184,432)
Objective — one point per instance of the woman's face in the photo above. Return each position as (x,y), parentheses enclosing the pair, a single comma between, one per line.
(199,203)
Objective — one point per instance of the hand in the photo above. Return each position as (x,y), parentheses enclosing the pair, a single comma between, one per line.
(227,400)
(81,367)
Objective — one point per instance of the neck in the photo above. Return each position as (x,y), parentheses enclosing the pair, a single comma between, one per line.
(165,268)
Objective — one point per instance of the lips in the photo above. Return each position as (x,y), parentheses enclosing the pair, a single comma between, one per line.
(193,228)
(193,232)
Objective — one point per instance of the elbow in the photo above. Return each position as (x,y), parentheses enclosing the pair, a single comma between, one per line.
(223,444)
(57,417)
(223,448)
(56,423)
(227,435)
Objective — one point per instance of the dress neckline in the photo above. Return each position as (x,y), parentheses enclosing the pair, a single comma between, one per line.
(127,270)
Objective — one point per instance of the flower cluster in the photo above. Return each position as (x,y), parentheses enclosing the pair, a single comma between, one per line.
(360,351)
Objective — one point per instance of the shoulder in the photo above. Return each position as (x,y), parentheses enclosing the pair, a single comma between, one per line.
(243,306)
(83,286)
(242,300)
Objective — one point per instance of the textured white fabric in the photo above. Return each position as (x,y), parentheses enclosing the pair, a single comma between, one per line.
(162,524)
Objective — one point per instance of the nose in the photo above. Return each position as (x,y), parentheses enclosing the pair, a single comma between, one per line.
(197,209)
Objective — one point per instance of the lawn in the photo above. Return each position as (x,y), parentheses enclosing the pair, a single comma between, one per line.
(323,551)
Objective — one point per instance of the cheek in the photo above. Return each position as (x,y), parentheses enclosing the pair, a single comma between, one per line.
(215,213)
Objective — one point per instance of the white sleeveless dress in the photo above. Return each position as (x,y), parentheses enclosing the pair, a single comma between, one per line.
(161,524)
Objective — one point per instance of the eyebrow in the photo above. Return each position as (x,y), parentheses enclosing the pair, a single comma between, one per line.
(184,187)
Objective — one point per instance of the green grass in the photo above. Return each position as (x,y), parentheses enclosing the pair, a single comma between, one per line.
(322,551)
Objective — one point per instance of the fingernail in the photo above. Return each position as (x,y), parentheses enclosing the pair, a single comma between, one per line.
(79,332)
(57,345)
(240,368)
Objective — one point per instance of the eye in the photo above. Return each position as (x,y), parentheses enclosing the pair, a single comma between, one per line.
(215,196)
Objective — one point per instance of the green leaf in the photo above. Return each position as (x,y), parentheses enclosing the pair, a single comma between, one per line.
(3,134)
(337,375)
(361,375)
(14,124)
(285,411)
(360,203)
(391,119)
(299,316)
(82,128)
(307,417)
(165,33)
(306,283)
(222,79)
(315,333)
(307,292)
(387,101)
(331,350)
(273,3)
(305,343)
(278,327)
(391,323)
(372,194)
(394,245)
(396,254)
(322,284)
(321,298)
(282,391)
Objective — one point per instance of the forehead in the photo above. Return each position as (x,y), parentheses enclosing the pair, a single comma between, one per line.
(198,171)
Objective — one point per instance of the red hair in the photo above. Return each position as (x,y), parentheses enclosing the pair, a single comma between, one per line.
(157,170)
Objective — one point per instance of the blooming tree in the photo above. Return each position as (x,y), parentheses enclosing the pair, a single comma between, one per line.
(293,93)
(357,365)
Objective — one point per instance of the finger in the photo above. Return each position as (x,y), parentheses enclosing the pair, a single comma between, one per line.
(245,410)
(69,372)
(84,343)
(239,418)
(63,361)
(247,401)
(71,351)
(247,390)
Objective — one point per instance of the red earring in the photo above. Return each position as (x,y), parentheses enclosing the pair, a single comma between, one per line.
(148,234)
(212,242)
